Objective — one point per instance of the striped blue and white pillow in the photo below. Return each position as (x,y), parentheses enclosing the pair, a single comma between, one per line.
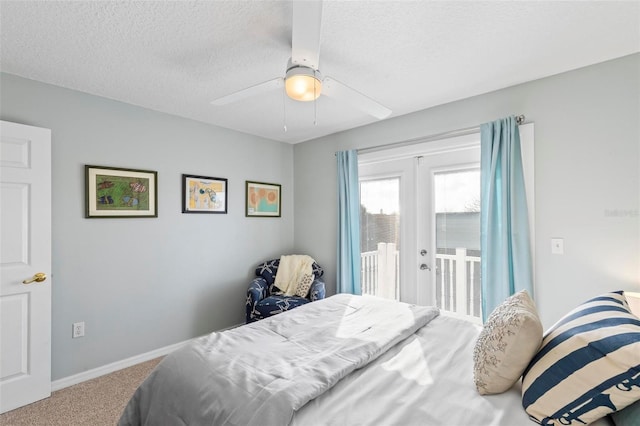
(588,365)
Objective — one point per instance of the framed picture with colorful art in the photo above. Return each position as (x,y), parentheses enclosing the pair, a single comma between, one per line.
(263,199)
(113,192)
(202,194)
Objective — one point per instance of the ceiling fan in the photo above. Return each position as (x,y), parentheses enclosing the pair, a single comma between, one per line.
(303,80)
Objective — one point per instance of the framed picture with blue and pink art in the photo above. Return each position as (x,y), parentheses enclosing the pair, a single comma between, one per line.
(203,194)
(113,192)
(263,199)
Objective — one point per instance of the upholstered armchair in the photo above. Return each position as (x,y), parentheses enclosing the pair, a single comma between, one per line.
(264,300)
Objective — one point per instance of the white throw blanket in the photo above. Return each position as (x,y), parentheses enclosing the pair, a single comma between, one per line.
(291,270)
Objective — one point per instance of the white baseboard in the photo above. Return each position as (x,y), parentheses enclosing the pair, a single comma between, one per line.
(114,366)
(118,365)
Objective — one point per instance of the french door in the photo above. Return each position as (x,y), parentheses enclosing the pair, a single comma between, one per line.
(448,230)
(387,214)
(420,227)
(420,220)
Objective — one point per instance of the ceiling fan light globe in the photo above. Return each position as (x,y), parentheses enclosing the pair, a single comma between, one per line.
(302,84)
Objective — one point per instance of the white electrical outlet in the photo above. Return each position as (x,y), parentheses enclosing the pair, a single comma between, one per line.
(78,329)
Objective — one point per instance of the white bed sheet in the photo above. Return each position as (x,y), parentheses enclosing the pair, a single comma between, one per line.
(424,380)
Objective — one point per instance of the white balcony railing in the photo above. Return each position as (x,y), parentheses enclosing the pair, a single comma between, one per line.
(380,271)
(458,282)
(457,278)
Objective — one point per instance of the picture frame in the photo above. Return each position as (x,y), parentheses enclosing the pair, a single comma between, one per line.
(263,199)
(114,192)
(203,194)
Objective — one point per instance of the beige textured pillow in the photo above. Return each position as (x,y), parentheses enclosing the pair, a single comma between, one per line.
(304,285)
(509,340)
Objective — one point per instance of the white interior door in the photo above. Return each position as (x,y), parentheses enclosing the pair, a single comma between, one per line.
(25,252)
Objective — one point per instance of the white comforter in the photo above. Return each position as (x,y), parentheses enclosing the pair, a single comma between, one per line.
(425,380)
(261,373)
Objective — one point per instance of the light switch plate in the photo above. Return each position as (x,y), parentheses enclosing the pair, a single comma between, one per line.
(557,245)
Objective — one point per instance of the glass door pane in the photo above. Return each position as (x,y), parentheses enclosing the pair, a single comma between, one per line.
(380,237)
(457,234)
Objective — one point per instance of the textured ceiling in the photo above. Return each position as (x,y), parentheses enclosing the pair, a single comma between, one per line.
(177,56)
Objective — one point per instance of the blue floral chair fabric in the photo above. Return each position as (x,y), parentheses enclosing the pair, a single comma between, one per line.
(264,300)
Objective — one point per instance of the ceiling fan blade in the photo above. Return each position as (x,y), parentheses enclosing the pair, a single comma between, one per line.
(305,41)
(341,92)
(250,91)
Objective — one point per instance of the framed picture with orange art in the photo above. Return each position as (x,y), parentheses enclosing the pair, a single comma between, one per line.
(262,199)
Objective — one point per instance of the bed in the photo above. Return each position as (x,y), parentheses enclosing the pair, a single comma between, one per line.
(344,360)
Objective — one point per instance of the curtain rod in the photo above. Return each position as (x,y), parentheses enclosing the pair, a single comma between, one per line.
(460,132)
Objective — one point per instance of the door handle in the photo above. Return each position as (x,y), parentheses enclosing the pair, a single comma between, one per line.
(39,277)
(425,266)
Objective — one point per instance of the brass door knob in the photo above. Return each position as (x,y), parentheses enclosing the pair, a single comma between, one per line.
(39,277)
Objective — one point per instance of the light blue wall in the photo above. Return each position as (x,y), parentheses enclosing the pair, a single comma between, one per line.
(587,176)
(142,284)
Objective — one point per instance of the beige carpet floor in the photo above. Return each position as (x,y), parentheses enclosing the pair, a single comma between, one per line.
(96,402)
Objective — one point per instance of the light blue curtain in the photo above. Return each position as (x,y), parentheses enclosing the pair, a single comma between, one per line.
(504,225)
(348,270)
